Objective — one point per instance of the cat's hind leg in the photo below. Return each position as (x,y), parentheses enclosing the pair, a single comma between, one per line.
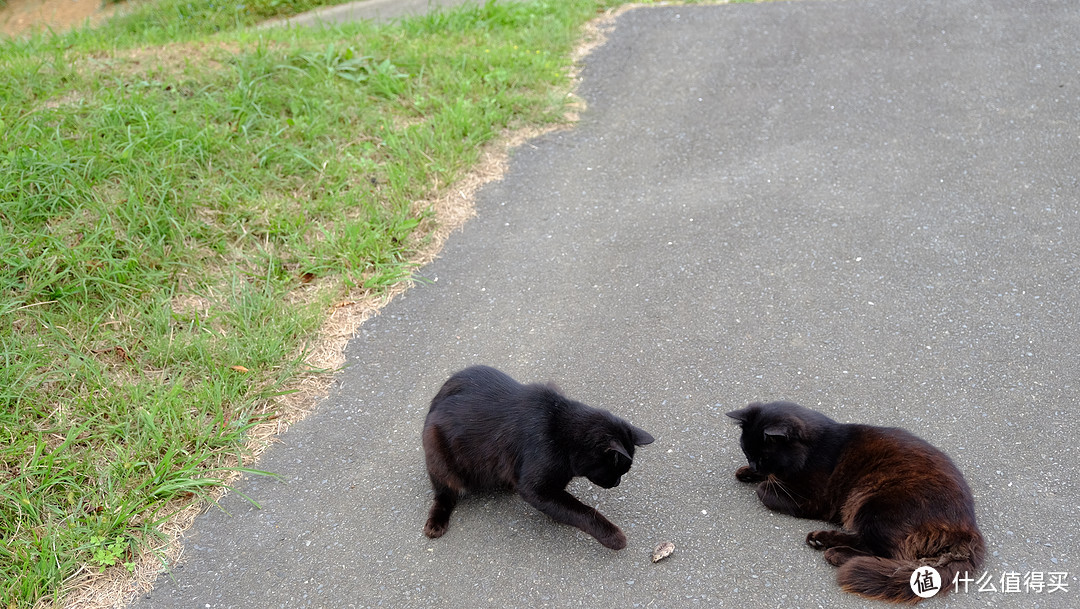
(841,554)
(444,481)
(839,546)
(822,540)
(441,507)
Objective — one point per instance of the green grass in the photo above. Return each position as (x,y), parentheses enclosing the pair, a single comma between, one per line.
(181,200)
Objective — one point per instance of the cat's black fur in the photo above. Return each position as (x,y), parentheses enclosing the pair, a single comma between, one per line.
(485,430)
(902,503)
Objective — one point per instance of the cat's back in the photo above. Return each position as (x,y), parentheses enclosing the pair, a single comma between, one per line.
(476,383)
(897,462)
(482,399)
(893,446)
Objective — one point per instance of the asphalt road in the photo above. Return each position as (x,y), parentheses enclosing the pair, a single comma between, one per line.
(869,207)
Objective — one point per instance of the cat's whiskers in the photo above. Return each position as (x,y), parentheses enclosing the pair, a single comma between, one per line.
(772,481)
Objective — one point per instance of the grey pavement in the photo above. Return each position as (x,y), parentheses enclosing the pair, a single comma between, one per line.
(866,206)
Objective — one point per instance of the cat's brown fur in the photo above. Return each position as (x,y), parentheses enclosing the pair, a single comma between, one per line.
(902,504)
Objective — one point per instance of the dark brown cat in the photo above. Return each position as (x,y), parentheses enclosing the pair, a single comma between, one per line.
(485,430)
(901,502)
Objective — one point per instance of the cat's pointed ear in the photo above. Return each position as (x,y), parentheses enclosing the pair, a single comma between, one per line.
(743,415)
(777,431)
(783,430)
(619,448)
(640,436)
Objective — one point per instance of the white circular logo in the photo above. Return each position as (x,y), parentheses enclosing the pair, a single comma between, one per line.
(925,582)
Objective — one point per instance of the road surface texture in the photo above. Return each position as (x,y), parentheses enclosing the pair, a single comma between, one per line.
(869,207)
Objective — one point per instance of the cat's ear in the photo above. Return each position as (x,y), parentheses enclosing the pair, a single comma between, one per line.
(640,436)
(783,430)
(619,448)
(743,415)
(552,386)
(778,431)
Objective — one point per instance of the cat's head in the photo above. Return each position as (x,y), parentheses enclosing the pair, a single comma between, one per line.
(778,437)
(610,451)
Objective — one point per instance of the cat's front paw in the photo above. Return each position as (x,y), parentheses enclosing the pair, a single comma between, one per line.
(748,474)
(616,540)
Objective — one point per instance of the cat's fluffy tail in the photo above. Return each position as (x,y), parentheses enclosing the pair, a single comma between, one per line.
(890,580)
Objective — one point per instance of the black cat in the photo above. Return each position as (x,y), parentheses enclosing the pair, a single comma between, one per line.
(485,430)
(902,503)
